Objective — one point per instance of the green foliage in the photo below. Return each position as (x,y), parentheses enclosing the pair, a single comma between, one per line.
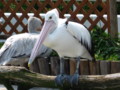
(24,6)
(12,5)
(118,7)
(54,53)
(1,5)
(1,44)
(105,47)
(86,8)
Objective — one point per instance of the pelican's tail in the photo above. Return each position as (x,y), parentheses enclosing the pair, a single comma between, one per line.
(3,57)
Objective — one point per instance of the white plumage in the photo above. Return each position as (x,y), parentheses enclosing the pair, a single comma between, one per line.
(20,45)
(68,39)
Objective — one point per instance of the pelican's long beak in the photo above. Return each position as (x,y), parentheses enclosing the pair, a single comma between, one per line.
(48,25)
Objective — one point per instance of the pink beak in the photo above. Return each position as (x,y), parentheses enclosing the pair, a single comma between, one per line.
(48,26)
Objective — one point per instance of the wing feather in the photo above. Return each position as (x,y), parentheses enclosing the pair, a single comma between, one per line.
(20,45)
(80,33)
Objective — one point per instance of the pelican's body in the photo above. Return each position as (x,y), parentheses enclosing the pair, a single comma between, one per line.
(20,46)
(62,41)
(68,39)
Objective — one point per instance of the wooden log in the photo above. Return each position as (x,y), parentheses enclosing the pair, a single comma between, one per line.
(105,67)
(97,67)
(84,67)
(35,67)
(21,76)
(115,66)
(72,66)
(94,67)
(113,18)
(55,65)
(44,67)
(67,66)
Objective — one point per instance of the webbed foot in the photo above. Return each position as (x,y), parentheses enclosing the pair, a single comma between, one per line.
(60,79)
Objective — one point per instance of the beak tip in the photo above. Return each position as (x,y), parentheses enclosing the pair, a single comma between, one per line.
(29,65)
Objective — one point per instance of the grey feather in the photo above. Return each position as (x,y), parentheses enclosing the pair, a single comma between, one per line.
(21,45)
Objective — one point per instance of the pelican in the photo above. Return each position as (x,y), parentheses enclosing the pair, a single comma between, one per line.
(68,39)
(19,46)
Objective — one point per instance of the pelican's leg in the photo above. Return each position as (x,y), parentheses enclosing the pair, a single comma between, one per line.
(75,77)
(61,77)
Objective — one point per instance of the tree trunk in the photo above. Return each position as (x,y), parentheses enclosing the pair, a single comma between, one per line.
(11,75)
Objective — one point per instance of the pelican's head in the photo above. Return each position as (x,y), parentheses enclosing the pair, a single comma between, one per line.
(50,24)
(34,25)
(52,16)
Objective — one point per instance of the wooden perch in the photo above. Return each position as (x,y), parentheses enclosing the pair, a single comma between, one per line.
(20,76)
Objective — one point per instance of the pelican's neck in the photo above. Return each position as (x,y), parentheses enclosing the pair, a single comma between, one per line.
(32,29)
(34,24)
(61,21)
(51,36)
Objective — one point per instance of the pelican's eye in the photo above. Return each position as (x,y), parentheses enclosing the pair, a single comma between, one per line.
(50,17)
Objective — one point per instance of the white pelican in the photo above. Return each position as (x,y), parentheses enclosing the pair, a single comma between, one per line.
(20,45)
(68,39)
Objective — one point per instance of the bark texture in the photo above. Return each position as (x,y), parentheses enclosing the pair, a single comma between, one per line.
(11,75)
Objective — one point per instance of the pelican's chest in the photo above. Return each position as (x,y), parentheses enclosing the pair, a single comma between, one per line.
(55,38)
(59,38)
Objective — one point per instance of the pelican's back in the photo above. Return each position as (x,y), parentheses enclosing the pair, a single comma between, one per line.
(18,46)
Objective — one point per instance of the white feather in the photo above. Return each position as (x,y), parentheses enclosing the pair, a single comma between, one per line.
(80,32)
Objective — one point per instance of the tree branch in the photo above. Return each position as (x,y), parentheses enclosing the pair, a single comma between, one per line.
(21,76)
